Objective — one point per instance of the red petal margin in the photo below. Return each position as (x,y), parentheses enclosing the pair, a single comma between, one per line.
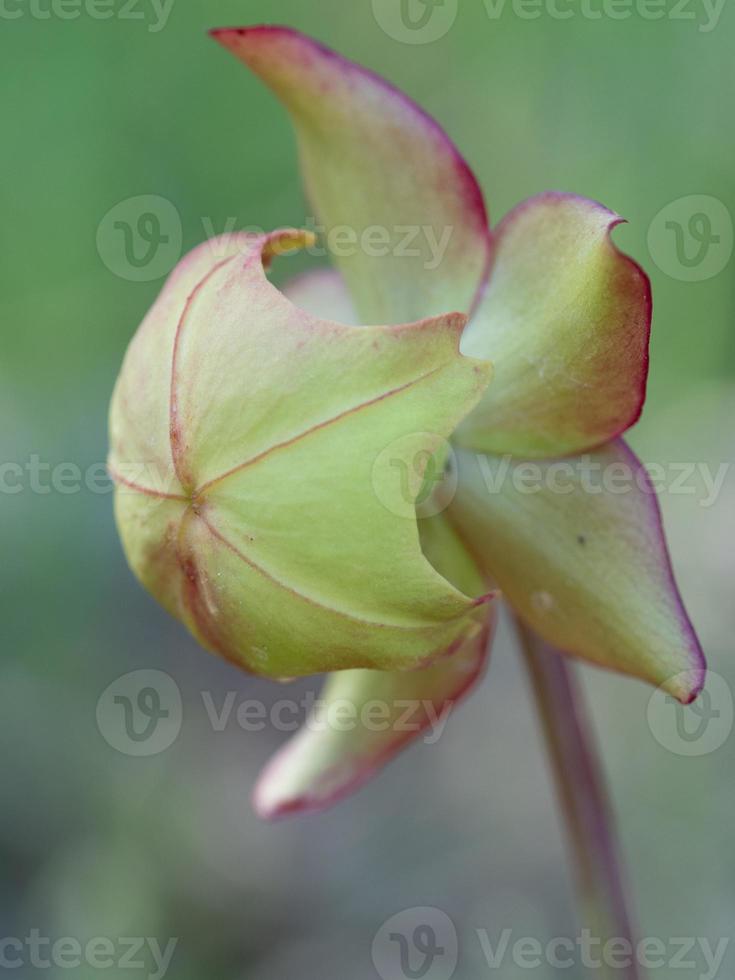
(269,43)
(589,350)
(636,270)
(340,780)
(697,673)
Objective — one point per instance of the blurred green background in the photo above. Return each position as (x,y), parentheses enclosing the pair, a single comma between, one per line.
(636,113)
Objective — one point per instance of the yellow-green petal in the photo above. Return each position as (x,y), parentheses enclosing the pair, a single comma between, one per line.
(288,524)
(577,547)
(140,452)
(402,211)
(365,717)
(565,318)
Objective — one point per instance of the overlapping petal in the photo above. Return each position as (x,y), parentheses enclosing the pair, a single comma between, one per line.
(140,452)
(566,318)
(287,540)
(380,174)
(364,717)
(323,293)
(576,545)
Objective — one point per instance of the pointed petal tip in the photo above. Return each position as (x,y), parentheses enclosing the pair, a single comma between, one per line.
(273,799)
(267,802)
(244,40)
(295,64)
(227,34)
(688,685)
(270,809)
(254,30)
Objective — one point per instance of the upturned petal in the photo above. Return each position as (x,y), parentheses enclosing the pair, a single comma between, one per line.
(566,319)
(381,173)
(576,546)
(281,528)
(365,717)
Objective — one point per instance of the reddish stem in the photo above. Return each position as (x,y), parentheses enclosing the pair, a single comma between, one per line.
(582,792)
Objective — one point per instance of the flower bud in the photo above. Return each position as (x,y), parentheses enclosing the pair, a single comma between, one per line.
(254,496)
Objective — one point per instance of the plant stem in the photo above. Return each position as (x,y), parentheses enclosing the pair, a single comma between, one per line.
(582,792)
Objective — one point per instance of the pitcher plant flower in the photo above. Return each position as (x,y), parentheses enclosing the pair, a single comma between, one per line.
(269,447)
